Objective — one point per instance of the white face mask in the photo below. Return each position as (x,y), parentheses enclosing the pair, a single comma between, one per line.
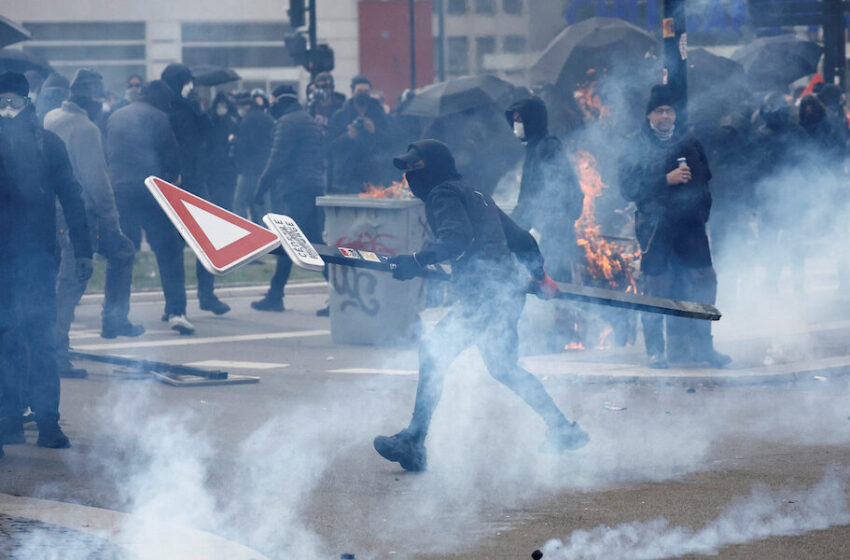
(519,130)
(10,113)
(221,110)
(187,89)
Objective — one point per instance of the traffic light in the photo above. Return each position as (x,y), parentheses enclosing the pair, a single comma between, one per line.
(296,14)
(296,48)
(320,60)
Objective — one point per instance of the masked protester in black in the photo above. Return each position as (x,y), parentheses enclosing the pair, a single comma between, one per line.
(294,177)
(219,169)
(35,171)
(192,130)
(673,203)
(480,241)
(550,198)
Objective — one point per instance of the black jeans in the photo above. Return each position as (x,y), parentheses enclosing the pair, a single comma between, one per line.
(490,323)
(138,211)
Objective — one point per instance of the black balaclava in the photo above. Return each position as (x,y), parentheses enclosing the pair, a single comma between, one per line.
(176,75)
(812,113)
(439,166)
(534,117)
(775,111)
(158,94)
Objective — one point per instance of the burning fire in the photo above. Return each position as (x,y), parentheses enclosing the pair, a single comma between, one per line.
(605,260)
(590,103)
(398,189)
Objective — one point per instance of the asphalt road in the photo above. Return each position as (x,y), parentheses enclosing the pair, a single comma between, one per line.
(286,465)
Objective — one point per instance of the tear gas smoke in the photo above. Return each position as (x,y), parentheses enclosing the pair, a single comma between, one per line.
(760,515)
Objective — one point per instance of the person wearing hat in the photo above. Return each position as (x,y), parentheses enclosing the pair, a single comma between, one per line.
(666,175)
(192,128)
(73,123)
(34,172)
(358,134)
(294,177)
(483,246)
(250,149)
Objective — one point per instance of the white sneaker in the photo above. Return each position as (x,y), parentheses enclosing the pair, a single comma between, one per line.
(180,324)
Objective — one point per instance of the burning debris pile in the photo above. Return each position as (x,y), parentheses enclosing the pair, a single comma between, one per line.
(606,260)
(398,189)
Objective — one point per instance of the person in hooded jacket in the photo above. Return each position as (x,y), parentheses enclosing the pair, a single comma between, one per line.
(220,169)
(550,197)
(250,151)
(483,245)
(73,123)
(54,90)
(294,175)
(358,134)
(192,130)
(139,143)
(673,204)
(35,172)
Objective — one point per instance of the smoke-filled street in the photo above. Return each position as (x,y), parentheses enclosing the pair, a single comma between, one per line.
(737,467)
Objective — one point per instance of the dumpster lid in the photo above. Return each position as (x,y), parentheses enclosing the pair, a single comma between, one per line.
(354,201)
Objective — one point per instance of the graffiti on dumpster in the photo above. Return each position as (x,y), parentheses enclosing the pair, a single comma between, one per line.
(357,286)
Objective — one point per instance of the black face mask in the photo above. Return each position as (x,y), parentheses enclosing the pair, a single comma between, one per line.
(421,181)
(362,99)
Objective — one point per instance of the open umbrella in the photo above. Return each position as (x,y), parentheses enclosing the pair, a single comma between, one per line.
(209,75)
(707,71)
(777,61)
(459,94)
(594,43)
(11,32)
(13,60)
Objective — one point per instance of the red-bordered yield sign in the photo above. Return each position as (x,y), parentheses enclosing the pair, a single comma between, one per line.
(221,239)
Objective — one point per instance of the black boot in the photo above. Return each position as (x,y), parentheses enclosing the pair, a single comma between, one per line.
(404,449)
(268,304)
(51,435)
(704,352)
(212,303)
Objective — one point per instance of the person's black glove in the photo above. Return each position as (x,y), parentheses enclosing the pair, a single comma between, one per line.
(84,268)
(404,267)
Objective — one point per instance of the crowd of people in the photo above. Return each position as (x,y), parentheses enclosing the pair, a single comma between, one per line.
(252,153)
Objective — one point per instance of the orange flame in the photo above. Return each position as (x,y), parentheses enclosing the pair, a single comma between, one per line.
(605,260)
(590,103)
(398,189)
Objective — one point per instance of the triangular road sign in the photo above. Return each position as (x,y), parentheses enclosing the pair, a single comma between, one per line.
(221,239)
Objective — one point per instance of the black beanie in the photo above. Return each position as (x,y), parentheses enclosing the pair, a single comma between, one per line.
(284,89)
(12,82)
(359,79)
(659,95)
(176,75)
(87,83)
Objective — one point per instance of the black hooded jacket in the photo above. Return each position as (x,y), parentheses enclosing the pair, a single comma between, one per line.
(670,219)
(550,197)
(140,141)
(34,172)
(191,128)
(469,231)
(219,164)
(295,165)
(253,142)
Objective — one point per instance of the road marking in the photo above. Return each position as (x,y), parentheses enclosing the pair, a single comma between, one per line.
(371,371)
(142,537)
(235,365)
(191,341)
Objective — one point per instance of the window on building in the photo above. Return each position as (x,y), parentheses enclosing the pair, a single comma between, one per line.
(458,55)
(514,44)
(483,46)
(236,45)
(485,6)
(512,7)
(455,7)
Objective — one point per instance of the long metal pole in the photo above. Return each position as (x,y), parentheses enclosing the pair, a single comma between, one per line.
(410,3)
(441,40)
(675,55)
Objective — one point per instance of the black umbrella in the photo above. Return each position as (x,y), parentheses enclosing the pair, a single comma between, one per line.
(11,32)
(594,43)
(708,71)
(717,86)
(13,60)
(209,75)
(459,94)
(777,61)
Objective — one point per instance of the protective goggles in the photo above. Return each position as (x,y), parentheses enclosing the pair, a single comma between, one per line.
(14,101)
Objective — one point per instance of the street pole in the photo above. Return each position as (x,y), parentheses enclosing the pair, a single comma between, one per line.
(410,3)
(675,56)
(311,33)
(834,56)
(441,40)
